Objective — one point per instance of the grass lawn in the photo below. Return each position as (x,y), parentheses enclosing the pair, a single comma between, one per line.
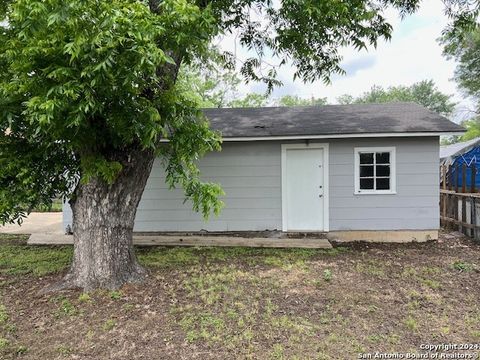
(55,207)
(236,303)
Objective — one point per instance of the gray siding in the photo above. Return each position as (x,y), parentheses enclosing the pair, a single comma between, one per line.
(414,206)
(250,174)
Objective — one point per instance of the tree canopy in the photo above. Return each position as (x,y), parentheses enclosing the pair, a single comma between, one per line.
(424,93)
(464,47)
(295,100)
(82,81)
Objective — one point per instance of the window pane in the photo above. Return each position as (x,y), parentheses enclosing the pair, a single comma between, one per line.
(366,158)
(382,158)
(366,170)
(383,184)
(366,184)
(383,170)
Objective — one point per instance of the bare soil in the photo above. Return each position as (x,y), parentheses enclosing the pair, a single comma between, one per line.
(236,303)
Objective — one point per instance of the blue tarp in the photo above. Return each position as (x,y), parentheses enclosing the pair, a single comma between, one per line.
(471,157)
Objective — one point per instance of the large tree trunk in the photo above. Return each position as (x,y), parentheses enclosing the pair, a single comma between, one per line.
(103,219)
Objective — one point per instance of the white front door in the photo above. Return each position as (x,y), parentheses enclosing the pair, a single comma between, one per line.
(304,188)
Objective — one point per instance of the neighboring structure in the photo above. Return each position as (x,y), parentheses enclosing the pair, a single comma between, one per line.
(467,151)
(455,156)
(359,172)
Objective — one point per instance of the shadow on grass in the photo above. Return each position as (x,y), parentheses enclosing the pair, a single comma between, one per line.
(17,258)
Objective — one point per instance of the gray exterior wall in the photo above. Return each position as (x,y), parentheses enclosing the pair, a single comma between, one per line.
(250,174)
(414,206)
(250,177)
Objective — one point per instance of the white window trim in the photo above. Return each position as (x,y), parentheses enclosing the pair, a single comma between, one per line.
(393,172)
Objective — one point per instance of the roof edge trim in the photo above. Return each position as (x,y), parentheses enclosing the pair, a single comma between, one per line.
(337,136)
(341,136)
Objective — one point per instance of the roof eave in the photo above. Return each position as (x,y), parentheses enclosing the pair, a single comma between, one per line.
(342,136)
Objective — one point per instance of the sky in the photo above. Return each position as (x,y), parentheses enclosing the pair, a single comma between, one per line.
(413,54)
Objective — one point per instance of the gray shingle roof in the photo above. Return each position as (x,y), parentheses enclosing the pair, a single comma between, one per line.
(328,120)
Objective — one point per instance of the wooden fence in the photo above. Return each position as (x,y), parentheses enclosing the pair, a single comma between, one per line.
(460,199)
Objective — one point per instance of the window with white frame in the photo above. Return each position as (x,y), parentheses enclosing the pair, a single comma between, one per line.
(375,170)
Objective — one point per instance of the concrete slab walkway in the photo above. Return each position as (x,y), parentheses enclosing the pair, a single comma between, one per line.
(46,229)
(45,223)
(192,240)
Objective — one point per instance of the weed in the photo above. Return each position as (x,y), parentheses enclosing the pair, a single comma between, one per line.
(84,297)
(393,339)
(413,304)
(462,266)
(409,271)
(295,324)
(476,334)
(327,275)
(371,267)
(22,350)
(433,284)
(210,287)
(411,323)
(128,307)
(4,343)
(231,314)
(10,328)
(445,330)
(206,326)
(472,319)
(270,307)
(333,338)
(109,325)
(277,352)
(64,350)
(66,308)
(115,295)
(248,335)
(5,283)
(90,334)
(414,294)
(375,338)
(430,270)
(3,314)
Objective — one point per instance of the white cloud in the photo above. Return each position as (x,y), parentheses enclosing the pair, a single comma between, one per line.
(412,55)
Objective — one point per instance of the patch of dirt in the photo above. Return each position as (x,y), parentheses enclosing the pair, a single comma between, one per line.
(231,304)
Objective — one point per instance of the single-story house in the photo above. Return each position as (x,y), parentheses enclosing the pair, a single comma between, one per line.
(356,172)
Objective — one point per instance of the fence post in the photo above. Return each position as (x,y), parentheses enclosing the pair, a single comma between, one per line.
(473,216)
(443,198)
(450,177)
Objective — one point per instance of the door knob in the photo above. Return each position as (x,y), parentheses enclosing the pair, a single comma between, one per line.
(321,195)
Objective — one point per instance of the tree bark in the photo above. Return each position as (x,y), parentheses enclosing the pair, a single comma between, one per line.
(103,219)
